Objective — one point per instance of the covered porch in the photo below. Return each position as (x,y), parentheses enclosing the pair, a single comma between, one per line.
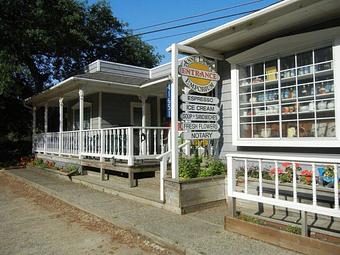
(110,117)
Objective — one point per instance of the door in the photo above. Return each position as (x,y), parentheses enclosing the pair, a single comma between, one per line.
(136,120)
(136,114)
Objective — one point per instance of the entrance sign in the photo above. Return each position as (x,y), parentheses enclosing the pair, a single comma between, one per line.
(199,108)
(199,116)
(199,99)
(201,135)
(198,73)
(201,126)
(168,101)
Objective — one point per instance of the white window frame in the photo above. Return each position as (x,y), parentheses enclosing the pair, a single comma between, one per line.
(287,142)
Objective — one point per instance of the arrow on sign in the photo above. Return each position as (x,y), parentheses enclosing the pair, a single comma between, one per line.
(199,108)
(199,116)
(201,126)
(199,99)
(201,135)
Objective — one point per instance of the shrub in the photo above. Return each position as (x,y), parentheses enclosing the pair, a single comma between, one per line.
(38,162)
(199,167)
(293,229)
(214,167)
(189,167)
(70,168)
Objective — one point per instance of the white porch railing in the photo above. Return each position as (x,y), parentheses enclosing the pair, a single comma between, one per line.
(127,143)
(252,176)
(39,142)
(52,142)
(70,144)
(164,159)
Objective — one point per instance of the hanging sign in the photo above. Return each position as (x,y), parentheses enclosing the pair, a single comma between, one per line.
(199,108)
(201,135)
(198,73)
(201,126)
(168,101)
(199,99)
(192,116)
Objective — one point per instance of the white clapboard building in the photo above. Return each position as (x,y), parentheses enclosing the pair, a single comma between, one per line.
(262,89)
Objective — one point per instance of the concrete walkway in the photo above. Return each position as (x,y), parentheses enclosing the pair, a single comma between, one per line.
(197,233)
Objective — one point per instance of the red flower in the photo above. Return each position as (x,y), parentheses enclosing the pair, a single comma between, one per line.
(286,164)
(306,172)
(279,171)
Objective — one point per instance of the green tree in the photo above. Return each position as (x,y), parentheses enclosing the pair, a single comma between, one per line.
(45,41)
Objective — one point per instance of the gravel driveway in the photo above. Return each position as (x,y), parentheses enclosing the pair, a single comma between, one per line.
(34,223)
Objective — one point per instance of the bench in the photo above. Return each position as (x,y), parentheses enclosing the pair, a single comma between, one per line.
(300,195)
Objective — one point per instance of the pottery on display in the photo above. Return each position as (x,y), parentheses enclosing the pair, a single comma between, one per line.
(322,105)
(304,108)
(266,134)
(330,105)
(291,132)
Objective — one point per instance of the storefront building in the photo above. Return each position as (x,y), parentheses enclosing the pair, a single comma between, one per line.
(277,81)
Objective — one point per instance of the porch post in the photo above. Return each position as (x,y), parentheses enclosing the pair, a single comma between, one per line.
(61,124)
(34,124)
(158,111)
(174,112)
(45,126)
(143,99)
(81,121)
(102,140)
(100,109)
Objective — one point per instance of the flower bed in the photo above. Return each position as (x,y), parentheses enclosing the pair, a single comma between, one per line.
(201,184)
(194,167)
(324,174)
(48,165)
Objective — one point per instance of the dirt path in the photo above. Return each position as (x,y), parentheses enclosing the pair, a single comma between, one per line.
(32,222)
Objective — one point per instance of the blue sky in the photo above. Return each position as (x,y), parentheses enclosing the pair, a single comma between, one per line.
(140,13)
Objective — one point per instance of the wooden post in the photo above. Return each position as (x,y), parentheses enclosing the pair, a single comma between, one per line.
(61,124)
(304,224)
(102,170)
(232,207)
(174,112)
(143,99)
(45,127)
(130,144)
(162,174)
(100,109)
(81,123)
(34,125)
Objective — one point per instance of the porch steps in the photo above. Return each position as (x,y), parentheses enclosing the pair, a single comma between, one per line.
(144,193)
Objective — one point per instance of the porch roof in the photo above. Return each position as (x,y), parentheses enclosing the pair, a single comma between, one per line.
(110,77)
(280,19)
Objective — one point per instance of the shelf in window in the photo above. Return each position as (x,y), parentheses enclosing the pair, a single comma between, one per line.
(325,110)
(324,72)
(272,102)
(272,114)
(258,103)
(305,84)
(325,118)
(292,78)
(288,99)
(245,85)
(244,93)
(305,76)
(305,98)
(269,82)
(288,113)
(325,95)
